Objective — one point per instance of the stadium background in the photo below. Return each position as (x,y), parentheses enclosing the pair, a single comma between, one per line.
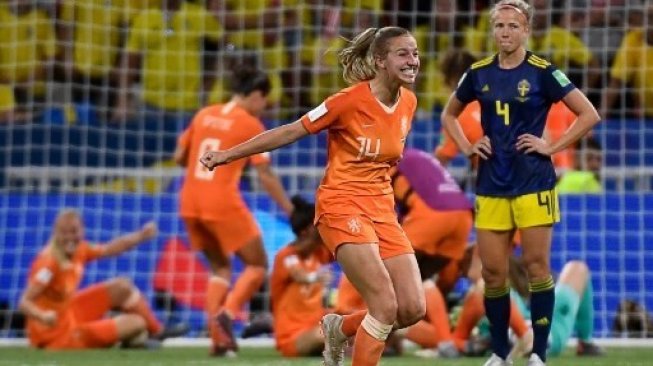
(63,144)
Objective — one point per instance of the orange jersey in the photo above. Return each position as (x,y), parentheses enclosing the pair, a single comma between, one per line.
(366,138)
(214,194)
(560,118)
(557,122)
(470,122)
(60,284)
(296,306)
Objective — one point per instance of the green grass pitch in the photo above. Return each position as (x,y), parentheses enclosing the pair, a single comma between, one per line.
(197,356)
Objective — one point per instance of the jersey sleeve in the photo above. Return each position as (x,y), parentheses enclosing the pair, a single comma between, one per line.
(47,35)
(465,90)
(91,252)
(135,38)
(327,114)
(212,28)
(42,272)
(186,137)
(624,65)
(555,84)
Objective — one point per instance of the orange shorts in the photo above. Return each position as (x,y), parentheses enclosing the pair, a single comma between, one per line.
(288,347)
(443,233)
(337,229)
(228,235)
(349,300)
(91,330)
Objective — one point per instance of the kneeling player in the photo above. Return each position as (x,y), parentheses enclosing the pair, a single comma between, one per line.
(297,287)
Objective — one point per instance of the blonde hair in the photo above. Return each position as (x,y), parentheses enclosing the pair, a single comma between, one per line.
(357,59)
(520,6)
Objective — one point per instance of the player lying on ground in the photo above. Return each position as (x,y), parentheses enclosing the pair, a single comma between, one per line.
(61,317)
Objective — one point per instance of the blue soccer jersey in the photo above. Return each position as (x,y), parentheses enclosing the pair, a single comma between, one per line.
(513,102)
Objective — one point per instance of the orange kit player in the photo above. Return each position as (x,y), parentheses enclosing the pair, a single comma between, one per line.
(217,219)
(560,118)
(437,218)
(61,317)
(367,126)
(297,286)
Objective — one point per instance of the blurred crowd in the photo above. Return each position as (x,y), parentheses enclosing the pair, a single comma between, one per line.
(164,59)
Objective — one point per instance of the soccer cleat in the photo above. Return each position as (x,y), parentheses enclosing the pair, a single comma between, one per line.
(588,349)
(477,347)
(175,330)
(535,360)
(523,346)
(495,360)
(222,336)
(448,350)
(334,340)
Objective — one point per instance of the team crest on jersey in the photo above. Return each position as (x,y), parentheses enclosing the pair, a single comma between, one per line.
(523,87)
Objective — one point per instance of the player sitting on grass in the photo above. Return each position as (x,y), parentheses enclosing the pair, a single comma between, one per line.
(297,286)
(61,317)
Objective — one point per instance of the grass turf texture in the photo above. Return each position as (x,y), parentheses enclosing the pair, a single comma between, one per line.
(195,356)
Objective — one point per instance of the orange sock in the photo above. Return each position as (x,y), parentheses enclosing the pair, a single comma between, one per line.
(367,349)
(517,322)
(423,333)
(436,313)
(215,294)
(247,284)
(473,310)
(351,322)
(141,308)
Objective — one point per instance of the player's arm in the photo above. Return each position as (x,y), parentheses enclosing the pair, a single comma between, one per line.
(266,141)
(300,275)
(578,103)
(449,119)
(588,117)
(128,241)
(27,304)
(273,186)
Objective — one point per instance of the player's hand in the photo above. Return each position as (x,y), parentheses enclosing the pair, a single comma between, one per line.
(482,148)
(528,143)
(325,277)
(149,230)
(212,159)
(49,317)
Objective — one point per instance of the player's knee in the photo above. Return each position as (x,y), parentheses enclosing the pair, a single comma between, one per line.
(257,272)
(411,312)
(578,267)
(537,267)
(121,288)
(494,276)
(385,310)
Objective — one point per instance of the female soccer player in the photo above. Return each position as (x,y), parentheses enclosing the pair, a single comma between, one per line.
(368,124)
(297,285)
(61,317)
(516,178)
(220,224)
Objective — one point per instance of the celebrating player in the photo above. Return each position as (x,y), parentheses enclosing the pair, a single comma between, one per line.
(216,217)
(60,317)
(516,178)
(367,124)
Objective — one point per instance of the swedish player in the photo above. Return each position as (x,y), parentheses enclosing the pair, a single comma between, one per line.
(516,178)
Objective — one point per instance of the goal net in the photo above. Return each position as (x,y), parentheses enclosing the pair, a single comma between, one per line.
(93,95)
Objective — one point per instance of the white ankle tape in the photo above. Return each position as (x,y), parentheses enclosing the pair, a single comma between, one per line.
(375,328)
